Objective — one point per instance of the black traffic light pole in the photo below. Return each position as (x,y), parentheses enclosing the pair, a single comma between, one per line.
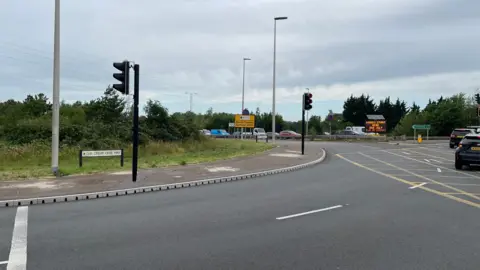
(303,128)
(306,106)
(124,88)
(136,86)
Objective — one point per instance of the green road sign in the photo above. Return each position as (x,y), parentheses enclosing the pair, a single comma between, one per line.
(421,126)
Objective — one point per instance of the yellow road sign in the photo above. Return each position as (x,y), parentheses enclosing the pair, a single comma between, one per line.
(244,121)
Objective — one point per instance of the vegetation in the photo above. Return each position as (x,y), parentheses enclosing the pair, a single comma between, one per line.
(443,115)
(105,123)
(33,160)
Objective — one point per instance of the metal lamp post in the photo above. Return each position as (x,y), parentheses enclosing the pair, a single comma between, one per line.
(243,92)
(191,99)
(274,56)
(56,90)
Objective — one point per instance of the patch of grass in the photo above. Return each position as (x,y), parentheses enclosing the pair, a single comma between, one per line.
(34,160)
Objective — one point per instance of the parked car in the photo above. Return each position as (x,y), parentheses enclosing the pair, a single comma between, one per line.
(259,133)
(269,134)
(205,132)
(219,133)
(347,133)
(238,134)
(285,134)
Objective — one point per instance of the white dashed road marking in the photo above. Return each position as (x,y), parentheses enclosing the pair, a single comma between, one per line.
(17,259)
(427,160)
(310,212)
(406,153)
(221,169)
(438,170)
(285,155)
(4,262)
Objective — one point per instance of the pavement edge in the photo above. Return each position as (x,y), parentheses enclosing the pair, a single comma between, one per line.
(147,189)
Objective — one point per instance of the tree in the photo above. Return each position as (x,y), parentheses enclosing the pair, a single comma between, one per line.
(355,109)
(315,123)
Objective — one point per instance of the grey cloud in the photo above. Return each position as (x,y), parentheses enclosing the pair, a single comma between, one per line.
(199,45)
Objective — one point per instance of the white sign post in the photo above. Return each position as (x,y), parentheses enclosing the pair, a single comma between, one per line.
(100,153)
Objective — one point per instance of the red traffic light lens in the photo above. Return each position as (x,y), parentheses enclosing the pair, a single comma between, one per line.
(309,95)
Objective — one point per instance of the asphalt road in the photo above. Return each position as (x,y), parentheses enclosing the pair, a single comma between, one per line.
(357,210)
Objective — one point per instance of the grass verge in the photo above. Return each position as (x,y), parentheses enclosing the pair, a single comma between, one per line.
(33,160)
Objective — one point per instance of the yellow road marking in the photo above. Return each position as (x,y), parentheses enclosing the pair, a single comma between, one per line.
(424,177)
(411,183)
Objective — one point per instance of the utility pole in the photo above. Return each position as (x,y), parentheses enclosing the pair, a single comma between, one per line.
(274,67)
(191,98)
(56,90)
(243,93)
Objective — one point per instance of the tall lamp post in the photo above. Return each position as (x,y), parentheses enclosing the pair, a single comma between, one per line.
(243,92)
(191,99)
(274,56)
(56,90)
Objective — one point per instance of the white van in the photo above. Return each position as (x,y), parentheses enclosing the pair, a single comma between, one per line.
(260,133)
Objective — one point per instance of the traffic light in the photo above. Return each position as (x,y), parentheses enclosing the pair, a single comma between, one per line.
(477,98)
(307,101)
(123,77)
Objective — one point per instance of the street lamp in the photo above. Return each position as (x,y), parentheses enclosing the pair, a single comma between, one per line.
(274,55)
(243,91)
(191,99)
(56,90)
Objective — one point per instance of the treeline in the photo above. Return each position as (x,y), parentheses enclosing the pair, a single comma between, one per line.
(107,122)
(443,114)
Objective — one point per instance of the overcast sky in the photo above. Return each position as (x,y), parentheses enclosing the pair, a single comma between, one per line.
(410,49)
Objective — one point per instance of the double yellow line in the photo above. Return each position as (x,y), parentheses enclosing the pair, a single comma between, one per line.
(446,195)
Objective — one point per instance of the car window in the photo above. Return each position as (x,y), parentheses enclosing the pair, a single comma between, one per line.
(461,132)
(471,140)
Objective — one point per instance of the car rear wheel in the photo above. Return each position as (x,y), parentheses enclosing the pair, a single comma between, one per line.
(458,165)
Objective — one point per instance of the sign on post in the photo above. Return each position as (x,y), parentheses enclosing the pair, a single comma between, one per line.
(231,124)
(100,153)
(244,121)
(427,126)
(376,126)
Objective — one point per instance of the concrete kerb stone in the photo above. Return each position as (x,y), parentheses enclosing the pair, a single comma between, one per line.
(164,187)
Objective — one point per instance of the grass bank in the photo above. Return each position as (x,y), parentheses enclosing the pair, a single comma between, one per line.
(33,160)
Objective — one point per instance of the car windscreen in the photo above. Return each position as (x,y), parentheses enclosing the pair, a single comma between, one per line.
(260,130)
(471,140)
(461,132)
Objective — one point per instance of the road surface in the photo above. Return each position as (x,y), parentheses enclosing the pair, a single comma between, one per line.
(365,208)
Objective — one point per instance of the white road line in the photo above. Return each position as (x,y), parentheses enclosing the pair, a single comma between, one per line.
(18,250)
(419,185)
(438,170)
(427,160)
(406,153)
(309,212)
(436,160)
(4,262)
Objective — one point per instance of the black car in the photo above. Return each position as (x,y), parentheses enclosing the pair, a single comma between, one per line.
(468,151)
(458,134)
